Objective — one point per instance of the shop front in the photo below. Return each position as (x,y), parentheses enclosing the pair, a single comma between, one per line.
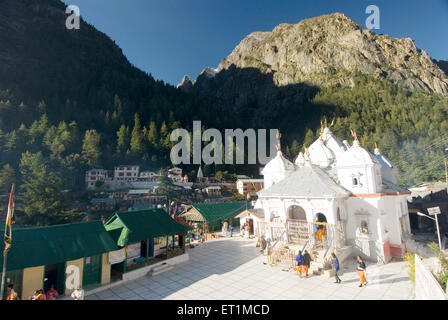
(146,237)
(39,256)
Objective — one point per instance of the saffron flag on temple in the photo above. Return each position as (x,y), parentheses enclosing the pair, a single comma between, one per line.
(9,217)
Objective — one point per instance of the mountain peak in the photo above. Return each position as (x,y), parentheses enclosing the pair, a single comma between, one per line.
(330,50)
(186,84)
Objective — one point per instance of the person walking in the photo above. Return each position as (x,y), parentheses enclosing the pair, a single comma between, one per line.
(336,267)
(242,229)
(299,259)
(306,262)
(361,269)
(231,230)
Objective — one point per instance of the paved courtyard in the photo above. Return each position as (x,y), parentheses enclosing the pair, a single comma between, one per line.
(232,268)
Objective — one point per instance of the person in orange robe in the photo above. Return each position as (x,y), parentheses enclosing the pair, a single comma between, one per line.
(361,269)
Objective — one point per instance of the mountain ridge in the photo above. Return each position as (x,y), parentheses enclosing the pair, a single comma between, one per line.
(329,50)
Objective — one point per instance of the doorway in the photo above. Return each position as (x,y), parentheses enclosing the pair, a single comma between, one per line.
(54,275)
(320,229)
(296,213)
(251,226)
(92,271)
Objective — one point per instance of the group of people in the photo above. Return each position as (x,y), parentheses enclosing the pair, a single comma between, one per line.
(227,227)
(51,294)
(11,294)
(304,261)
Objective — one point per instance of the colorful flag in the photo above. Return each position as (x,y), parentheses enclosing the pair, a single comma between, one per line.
(9,217)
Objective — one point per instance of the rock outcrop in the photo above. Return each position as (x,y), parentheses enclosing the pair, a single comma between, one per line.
(331,50)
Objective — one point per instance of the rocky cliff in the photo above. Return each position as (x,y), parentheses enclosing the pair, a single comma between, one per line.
(330,50)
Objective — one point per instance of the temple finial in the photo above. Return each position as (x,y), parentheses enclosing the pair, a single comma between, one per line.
(307,152)
(355,135)
(279,136)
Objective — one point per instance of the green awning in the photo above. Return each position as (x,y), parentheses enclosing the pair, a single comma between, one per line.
(38,246)
(134,226)
(215,211)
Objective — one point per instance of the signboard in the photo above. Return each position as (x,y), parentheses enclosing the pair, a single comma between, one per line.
(117,256)
(426,286)
(434,211)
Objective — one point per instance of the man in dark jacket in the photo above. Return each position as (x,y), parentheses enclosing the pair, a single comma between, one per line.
(306,262)
(299,259)
(336,267)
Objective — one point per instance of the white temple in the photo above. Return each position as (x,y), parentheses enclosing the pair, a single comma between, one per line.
(352,190)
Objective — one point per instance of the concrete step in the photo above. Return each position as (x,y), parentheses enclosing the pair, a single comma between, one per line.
(160,269)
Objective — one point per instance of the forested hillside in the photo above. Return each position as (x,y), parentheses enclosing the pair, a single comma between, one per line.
(71,101)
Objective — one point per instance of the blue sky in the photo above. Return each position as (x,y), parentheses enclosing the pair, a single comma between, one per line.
(171,38)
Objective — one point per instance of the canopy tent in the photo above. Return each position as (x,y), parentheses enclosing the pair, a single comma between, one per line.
(39,246)
(134,226)
(258,213)
(214,211)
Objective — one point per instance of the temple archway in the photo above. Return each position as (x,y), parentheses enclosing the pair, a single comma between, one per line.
(320,228)
(320,217)
(296,213)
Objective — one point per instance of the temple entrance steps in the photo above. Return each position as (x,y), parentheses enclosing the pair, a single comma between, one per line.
(283,255)
(319,262)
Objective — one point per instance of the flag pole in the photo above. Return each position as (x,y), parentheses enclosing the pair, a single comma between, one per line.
(7,238)
(5,255)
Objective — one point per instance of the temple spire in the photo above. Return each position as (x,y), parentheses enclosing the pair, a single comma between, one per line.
(355,135)
(377,150)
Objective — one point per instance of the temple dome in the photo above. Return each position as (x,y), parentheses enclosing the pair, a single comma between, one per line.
(321,155)
(333,143)
(300,160)
(278,164)
(356,155)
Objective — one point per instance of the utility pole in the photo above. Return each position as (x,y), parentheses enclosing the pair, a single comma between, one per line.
(446,169)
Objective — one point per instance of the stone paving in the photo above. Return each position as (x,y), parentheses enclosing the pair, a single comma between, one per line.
(233,269)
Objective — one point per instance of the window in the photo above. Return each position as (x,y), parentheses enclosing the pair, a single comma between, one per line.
(355,181)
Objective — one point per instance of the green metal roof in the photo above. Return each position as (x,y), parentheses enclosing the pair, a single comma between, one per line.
(38,246)
(134,226)
(215,211)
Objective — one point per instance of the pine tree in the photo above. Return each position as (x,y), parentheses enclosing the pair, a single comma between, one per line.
(153,135)
(137,147)
(91,152)
(7,179)
(123,140)
(45,201)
